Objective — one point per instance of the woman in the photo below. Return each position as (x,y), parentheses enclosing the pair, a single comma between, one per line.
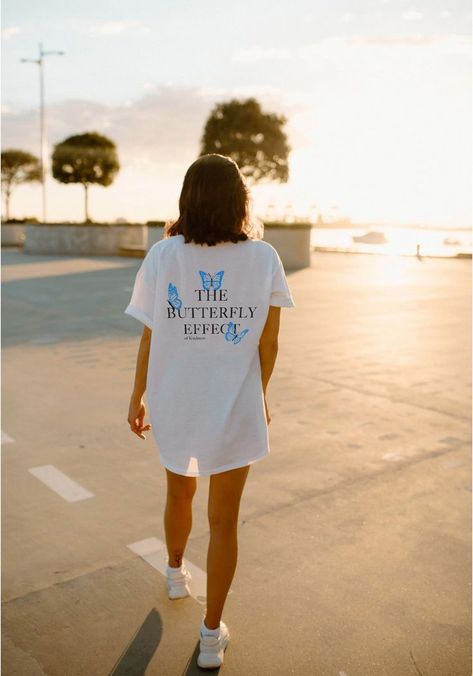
(209,295)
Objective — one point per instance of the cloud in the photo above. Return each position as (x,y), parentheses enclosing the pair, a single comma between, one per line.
(163,127)
(446,42)
(337,47)
(393,40)
(115,27)
(9,32)
(412,15)
(156,127)
(347,17)
(263,53)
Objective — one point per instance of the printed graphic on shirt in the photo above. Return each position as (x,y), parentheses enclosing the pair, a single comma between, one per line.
(232,335)
(211,281)
(173,297)
(211,303)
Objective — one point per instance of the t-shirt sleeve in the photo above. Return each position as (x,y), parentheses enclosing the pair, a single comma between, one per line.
(141,305)
(280,292)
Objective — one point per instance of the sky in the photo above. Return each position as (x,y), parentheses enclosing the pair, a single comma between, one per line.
(377,94)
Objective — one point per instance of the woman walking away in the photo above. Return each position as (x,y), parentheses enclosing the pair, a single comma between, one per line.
(209,295)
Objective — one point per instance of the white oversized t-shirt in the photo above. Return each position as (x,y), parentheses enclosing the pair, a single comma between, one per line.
(207,307)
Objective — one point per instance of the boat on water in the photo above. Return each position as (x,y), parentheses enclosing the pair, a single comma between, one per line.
(371,237)
(451,240)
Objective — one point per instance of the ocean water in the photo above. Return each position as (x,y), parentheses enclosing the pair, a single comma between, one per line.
(399,240)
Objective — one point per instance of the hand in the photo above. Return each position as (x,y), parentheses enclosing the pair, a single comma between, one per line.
(268,416)
(136,414)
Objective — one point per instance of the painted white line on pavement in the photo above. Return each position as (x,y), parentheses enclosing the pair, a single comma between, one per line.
(154,551)
(6,438)
(60,483)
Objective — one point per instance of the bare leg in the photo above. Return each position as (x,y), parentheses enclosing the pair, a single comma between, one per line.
(225,492)
(178,515)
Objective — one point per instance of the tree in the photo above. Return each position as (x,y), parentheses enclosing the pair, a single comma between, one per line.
(18,167)
(253,139)
(85,158)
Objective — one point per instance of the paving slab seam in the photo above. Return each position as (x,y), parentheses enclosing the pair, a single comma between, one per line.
(418,671)
(348,483)
(384,396)
(28,654)
(65,581)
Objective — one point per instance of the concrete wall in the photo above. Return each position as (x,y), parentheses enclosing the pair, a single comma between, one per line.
(291,243)
(155,233)
(93,239)
(12,234)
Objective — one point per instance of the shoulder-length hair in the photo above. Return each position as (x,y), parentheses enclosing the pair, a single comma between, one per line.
(215,204)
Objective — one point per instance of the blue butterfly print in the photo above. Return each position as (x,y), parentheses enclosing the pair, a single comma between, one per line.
(173,297)
(211,281)
(232,335)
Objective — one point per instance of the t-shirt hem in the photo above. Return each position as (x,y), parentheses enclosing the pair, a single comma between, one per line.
(282,303)
(223,468)
(135,312)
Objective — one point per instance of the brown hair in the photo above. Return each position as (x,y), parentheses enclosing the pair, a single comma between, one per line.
(214,205)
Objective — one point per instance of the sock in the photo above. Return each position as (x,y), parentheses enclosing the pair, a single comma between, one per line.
(209,632)
(171,570)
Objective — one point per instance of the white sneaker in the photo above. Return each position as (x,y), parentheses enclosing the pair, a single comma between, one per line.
(212,647)
(178,583)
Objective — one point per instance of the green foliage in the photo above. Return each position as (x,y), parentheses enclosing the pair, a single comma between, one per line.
(13,221)
(255,140)
(288,226)
(18,167)
(85,158)
(101,224)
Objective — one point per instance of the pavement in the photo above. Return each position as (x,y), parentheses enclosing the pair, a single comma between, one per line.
(354,534)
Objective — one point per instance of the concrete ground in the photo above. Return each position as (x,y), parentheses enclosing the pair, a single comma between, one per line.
(354,540)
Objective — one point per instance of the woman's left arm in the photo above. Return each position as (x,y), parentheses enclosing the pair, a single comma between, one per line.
(137,409)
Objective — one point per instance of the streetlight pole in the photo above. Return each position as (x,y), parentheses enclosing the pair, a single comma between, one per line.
(42,118)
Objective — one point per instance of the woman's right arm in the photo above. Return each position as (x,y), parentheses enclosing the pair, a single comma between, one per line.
(137,410)
(268,349)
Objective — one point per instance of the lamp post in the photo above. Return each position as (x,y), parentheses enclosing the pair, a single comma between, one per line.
(43,141)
